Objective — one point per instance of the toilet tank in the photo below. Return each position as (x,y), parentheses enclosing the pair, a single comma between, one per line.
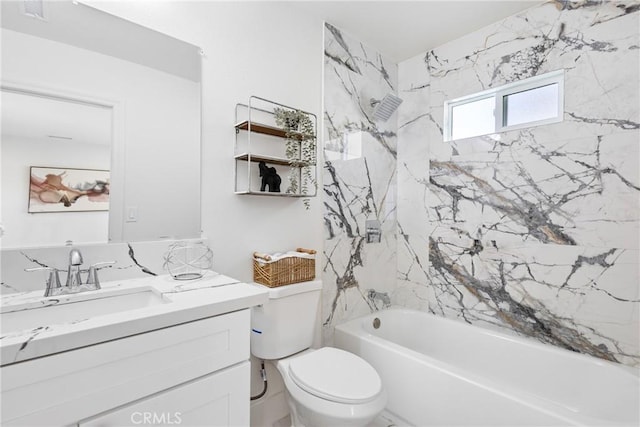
(285,325)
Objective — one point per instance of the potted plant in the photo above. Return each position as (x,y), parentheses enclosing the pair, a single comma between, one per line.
(300,149)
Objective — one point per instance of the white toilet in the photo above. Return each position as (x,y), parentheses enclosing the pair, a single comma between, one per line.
(325,387)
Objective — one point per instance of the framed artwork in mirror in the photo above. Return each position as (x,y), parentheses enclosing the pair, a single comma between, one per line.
(68,190)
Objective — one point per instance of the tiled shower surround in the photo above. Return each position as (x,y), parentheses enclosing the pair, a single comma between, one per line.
(359,181)
(534,231)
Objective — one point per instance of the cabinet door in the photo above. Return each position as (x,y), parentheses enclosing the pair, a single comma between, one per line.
(98,378)
(219,399)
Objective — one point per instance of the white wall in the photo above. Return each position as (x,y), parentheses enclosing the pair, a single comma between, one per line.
(250,48)
(145,101)
(266,49)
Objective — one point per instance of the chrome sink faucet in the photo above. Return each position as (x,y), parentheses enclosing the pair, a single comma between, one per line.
(73,271)
(74,280)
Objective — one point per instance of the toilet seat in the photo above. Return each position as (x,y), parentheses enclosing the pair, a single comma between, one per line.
(336,375)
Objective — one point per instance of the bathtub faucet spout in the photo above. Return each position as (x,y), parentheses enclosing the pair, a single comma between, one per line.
(383,297)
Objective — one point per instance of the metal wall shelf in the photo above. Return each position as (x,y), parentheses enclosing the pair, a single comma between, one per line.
(254,121)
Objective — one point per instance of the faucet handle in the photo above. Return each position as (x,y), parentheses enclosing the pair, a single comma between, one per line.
(53,281)
(92,278)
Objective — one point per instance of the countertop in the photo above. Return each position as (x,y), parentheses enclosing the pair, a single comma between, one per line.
(186,301)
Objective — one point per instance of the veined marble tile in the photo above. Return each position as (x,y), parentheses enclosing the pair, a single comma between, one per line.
(355,78)
(413,195)
(573,195)
(415,123)
(525,44)
(536,230)
(415,91)
(413,282)
(413,295)
(358,278)
(597,93)
(559,295)
(132,260)
(357,190)
(360,181)
(413,158)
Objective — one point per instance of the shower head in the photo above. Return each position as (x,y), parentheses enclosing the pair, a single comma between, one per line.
(385,108)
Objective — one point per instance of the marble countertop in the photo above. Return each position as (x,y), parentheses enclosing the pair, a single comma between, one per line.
(183,301)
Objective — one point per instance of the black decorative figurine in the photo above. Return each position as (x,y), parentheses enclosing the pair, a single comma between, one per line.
(269,178)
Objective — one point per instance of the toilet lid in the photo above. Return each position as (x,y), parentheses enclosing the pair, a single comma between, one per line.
(336,375)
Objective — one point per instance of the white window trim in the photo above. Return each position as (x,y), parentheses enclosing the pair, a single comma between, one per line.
(499,93)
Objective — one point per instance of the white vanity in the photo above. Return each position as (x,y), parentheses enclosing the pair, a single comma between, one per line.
(149,351)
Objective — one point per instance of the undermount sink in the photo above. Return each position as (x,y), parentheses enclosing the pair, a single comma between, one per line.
(76,307)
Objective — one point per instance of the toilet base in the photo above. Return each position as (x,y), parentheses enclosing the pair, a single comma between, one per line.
(311,411)
(304,417)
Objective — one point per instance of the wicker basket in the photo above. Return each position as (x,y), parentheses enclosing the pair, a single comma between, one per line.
(284,271)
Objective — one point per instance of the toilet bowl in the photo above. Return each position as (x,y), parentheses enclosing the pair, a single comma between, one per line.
(326,387)
(331,387)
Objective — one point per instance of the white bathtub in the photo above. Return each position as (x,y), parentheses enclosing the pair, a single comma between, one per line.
(442,372)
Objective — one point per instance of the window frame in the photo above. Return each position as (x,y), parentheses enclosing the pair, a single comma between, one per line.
(500,94)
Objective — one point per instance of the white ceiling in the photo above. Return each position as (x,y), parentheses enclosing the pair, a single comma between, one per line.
(85,27)
(400,30)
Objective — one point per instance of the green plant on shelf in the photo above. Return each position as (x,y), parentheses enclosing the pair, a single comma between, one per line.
(300,149)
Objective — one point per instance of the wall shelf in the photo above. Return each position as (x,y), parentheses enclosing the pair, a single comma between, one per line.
(266,193)
(264,129)
(259,139)
(271,160)
(260,128)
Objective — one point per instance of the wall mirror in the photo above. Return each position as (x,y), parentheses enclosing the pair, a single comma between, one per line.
(83,90)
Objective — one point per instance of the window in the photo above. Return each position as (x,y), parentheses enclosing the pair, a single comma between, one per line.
(474,117)
(530,102)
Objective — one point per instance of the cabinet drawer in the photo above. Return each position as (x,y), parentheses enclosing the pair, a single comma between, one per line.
(63,388)
(220,399)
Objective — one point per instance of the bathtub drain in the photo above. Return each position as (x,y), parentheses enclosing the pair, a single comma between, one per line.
(376,323)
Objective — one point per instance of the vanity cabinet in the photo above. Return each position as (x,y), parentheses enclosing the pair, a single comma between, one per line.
(215,400)
(196,373)
(258,139)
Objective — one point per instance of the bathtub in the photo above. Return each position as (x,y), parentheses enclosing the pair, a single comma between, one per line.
(442,372)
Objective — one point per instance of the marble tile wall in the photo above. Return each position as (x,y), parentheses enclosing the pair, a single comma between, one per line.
(132,260)
(359,181)
(534,231)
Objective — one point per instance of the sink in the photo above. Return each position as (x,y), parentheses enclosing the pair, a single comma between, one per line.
(76,307)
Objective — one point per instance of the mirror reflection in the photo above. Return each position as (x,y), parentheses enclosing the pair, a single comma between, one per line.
(85,91)
(37,131)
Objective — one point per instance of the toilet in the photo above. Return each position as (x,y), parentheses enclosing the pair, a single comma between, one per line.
(325,387)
